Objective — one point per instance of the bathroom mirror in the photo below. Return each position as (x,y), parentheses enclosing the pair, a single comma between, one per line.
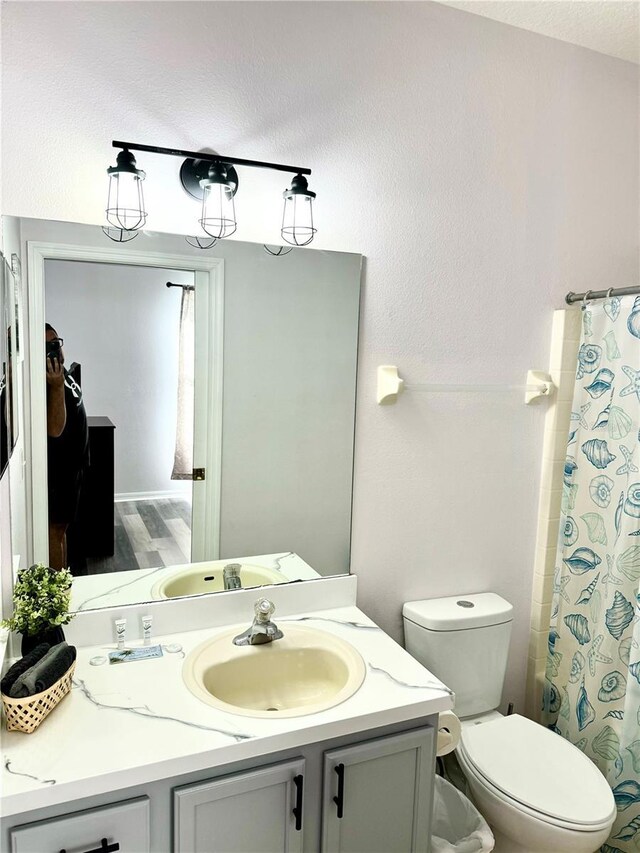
(244,367)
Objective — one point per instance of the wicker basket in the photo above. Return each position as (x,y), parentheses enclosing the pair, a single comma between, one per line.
(25,715)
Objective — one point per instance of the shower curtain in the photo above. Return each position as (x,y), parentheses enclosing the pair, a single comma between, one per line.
(592,685)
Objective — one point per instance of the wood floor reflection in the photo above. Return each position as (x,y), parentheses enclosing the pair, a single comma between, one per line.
(148,533)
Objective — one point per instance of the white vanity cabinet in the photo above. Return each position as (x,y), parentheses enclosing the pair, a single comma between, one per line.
(372,796)
(255,812)
(377,795)
(122,827)
(367,792)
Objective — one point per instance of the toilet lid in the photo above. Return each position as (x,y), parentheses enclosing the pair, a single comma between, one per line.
(539,769)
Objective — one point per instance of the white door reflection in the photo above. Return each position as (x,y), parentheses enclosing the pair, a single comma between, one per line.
(132,340)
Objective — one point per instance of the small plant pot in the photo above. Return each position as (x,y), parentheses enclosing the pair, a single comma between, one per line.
(53,636)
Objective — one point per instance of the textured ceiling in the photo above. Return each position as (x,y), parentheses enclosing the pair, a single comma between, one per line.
(608,26)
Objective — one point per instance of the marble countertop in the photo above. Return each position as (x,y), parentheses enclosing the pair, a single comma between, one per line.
(133,723)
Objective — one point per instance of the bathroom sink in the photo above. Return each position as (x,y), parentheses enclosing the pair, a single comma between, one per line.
(304,672)
(199,578)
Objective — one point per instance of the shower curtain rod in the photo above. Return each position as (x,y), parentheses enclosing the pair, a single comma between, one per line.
(183,286)
(570,298)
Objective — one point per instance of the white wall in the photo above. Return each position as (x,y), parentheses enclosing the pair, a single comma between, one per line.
(121,323)
(483,171)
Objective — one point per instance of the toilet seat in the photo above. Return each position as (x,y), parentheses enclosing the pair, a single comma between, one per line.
(539,772)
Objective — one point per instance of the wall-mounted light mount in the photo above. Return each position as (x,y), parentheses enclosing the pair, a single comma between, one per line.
(213,179)
(193,171)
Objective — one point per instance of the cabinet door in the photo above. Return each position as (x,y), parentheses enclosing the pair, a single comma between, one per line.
(123,824)
(377,796)
(255,812)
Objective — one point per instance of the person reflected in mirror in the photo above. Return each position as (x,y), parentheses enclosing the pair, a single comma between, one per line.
(67,447)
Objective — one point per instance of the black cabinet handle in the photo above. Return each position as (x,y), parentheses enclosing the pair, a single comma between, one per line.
(297,809)
(105,847)
(339,800)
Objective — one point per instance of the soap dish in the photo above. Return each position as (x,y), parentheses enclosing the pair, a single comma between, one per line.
(25,715)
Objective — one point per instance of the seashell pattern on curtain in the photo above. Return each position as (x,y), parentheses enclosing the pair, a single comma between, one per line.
(592,685)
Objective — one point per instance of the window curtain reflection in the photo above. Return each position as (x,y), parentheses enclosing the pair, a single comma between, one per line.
(183,458)
(592,686)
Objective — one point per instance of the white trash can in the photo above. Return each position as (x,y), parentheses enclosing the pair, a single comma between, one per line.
(458,826)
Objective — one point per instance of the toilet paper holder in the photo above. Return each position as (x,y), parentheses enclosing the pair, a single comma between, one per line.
(449,730)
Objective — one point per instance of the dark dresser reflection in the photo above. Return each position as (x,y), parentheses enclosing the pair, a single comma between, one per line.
(92,534)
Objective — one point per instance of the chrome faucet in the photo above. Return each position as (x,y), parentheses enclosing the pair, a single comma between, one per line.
(231,576)
(262,630)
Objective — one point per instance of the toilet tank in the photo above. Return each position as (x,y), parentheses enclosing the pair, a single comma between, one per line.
(464,641)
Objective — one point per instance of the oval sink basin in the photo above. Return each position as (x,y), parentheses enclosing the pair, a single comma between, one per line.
(200,578)
(304,672)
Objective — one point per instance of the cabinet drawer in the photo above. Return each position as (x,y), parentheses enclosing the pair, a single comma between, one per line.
(125,824)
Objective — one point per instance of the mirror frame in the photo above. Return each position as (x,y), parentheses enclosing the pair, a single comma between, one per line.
(209,283)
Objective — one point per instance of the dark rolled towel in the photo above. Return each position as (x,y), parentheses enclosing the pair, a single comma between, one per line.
(21,666)
(44,672)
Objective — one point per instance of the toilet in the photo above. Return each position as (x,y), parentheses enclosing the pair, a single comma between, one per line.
(538,792)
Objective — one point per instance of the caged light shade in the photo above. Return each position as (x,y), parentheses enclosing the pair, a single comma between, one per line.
(125,203)
(297,216)
(218,210)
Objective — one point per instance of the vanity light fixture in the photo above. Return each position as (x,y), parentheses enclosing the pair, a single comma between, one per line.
(297,216)
(125,202)
(218,210)
(213,180)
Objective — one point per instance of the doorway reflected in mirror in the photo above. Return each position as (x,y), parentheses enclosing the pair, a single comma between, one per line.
(130,339)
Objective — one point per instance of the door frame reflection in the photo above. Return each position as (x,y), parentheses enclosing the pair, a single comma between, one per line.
(209,324)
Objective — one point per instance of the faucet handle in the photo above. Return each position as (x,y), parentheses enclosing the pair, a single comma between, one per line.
(264,610)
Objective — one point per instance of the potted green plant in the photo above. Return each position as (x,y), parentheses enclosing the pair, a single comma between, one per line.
(41,598)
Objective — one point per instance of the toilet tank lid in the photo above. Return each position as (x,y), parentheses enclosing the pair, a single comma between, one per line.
(459,612)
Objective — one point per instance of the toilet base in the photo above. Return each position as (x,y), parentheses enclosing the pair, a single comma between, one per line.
(508,845)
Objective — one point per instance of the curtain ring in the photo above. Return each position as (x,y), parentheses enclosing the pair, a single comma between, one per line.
(609,292)
(584,299)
